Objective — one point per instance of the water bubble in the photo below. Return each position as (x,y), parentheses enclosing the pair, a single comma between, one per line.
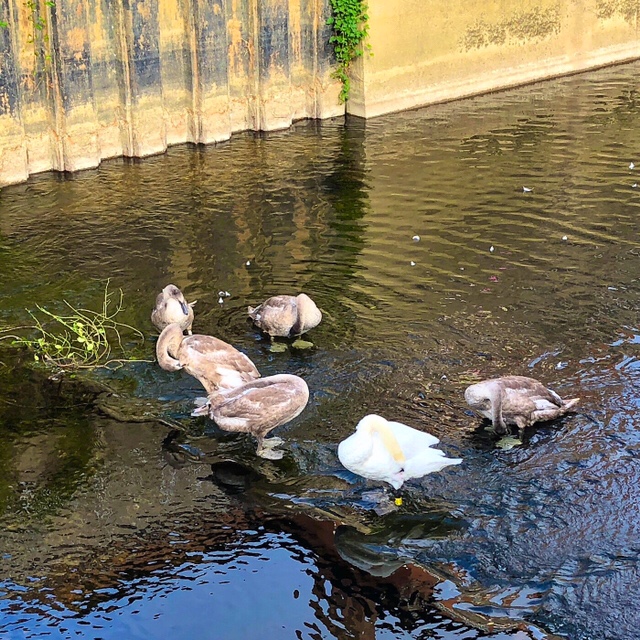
(416,238)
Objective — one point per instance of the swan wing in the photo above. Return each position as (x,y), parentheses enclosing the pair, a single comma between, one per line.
(428,461)
(206,357)
(410,438)
(261,405)
(277,315)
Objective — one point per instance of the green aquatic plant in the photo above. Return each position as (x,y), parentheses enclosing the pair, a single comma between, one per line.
(349,21)
(80,339)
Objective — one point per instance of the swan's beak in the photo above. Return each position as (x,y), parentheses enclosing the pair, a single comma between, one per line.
(185,307)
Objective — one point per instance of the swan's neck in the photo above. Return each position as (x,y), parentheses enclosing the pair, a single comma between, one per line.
(167,347)
(389,440)
(308,313)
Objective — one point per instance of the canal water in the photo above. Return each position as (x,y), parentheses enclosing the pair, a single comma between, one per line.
(123,517)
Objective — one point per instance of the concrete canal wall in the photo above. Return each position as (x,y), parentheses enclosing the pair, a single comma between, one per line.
(84,80)
(437,50)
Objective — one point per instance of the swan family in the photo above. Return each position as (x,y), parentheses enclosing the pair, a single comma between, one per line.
(240,400)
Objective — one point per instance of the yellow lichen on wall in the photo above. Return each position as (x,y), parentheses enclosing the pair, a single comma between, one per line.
(444,50)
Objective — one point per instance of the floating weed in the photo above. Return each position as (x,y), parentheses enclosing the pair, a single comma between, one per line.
(82,339)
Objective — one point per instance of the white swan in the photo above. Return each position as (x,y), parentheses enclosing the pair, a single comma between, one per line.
(391,452)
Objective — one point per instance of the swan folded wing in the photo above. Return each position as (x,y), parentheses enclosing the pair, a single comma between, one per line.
(232,377)
(277,316)
(410,438)
(381,464)
(264,403)
(543,404)
(248,405)
(549,411)
(280,303)
(211,359)
(516,401)
(427,461)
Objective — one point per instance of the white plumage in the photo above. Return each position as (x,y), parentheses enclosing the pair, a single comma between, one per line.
(391,452)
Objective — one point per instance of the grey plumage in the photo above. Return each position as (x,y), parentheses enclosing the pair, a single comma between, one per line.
(516,400)
(216,364)
(286,316)
(171,307)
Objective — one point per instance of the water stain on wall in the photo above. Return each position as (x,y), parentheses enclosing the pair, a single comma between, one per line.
(627,9)
(520,27)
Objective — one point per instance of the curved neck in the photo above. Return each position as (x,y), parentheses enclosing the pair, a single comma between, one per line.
(307,313)
(389,440)
(167,347)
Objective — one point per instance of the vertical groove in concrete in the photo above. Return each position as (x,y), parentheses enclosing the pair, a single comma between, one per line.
(239,48)
(275,96)
(76,122)
(35,86)
(191,18)
(50,46)
(254,113)
(124,78)
(210,81)
(147,114)
(104,78)
(13,150)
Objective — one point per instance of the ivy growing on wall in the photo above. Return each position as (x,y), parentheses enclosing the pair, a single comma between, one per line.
(349,21)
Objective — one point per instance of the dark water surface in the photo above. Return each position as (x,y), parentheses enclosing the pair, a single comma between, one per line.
(112,529)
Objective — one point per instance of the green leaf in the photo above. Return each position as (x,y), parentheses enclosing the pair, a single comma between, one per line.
(349,23)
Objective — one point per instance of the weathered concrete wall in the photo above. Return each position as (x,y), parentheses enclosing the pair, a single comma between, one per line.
(84,80)
(104,78)
(427,52)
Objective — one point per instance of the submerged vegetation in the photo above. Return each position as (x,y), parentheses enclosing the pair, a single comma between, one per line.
(349,21)
(80,339)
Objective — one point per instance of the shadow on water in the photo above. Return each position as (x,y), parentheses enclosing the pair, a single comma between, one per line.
(119,512)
